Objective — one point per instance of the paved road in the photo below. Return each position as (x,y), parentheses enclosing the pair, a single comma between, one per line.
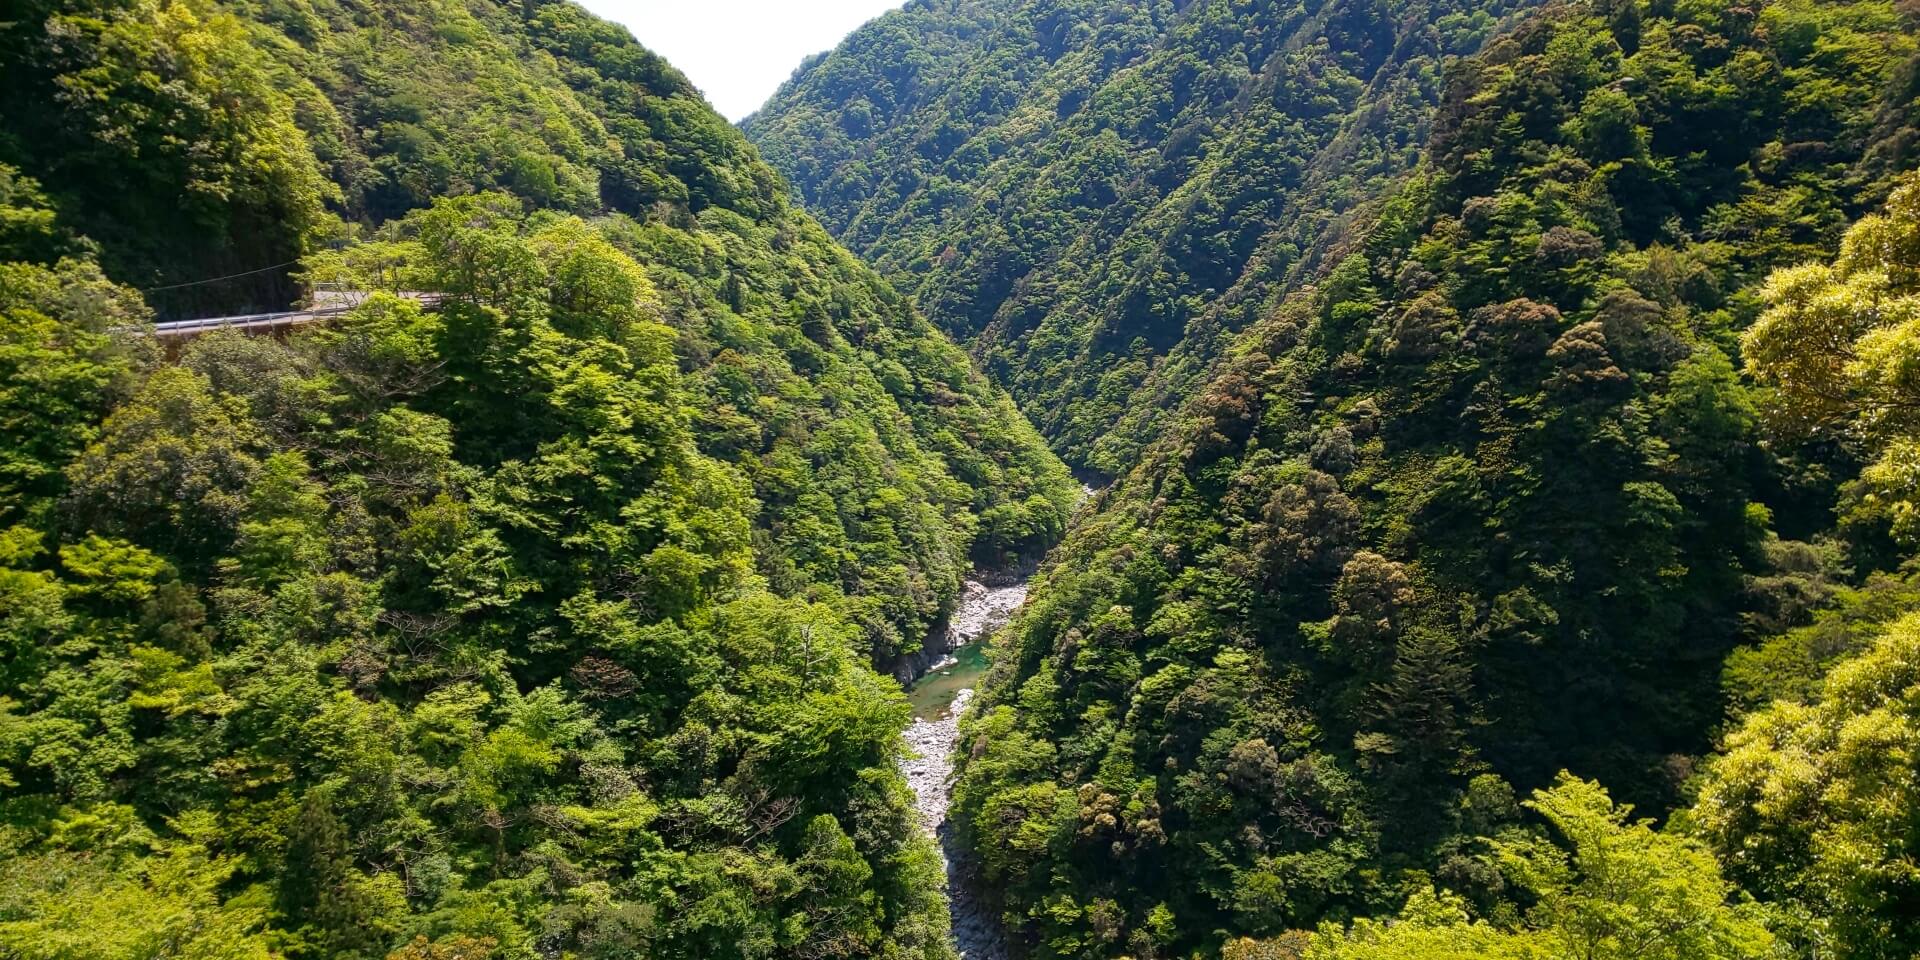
(326,304)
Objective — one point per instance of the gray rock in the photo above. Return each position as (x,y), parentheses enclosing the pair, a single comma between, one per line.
(929,770)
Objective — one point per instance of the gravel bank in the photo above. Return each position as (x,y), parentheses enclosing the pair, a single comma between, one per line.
(976,930)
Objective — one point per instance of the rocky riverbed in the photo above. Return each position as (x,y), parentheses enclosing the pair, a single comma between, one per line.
(982,610)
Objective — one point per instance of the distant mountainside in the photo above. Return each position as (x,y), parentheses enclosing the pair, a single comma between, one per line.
(1437,471)
(1097,195)
(538,624)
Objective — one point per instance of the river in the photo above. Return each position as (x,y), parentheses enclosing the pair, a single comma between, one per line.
(939,697)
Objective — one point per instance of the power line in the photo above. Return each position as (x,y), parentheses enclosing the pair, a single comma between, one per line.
(231,276)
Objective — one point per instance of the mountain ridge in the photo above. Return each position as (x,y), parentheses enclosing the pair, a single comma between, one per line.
(1068,327)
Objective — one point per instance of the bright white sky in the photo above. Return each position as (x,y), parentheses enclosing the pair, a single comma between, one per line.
(739,51)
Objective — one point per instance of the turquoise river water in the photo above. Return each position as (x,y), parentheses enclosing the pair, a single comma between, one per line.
(932,694)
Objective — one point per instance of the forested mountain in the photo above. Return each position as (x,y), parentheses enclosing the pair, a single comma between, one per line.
(1459,483)
(1098,194)
(535,624)
(1510,407)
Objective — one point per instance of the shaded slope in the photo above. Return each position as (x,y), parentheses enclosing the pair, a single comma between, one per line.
(1092,193)
(1477,506)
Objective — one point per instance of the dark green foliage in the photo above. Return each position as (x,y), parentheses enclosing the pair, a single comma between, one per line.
(1790,664)
(1811,803)
(195,139)
(165,134)
(1099,195)
(1488,498)
(541,622)
(886,465)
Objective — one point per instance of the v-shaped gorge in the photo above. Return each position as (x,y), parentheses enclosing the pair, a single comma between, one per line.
(1479,457)
(1096,196)
(1469,421)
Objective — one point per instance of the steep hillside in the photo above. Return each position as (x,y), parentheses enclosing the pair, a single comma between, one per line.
(267,132)
(537,624)
(1489,500)
(1097,195)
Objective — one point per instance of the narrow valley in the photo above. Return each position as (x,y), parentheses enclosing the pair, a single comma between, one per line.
(464,498)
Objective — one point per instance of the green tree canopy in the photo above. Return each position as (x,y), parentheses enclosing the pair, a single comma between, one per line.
(1812,804)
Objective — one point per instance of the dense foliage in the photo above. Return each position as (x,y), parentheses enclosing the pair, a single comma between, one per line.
(1813,803)
(1617,889)
(1490,498)
(887,465)
(1507,400)
(538,622)
(193,138)
(307,659)
(1098,194)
